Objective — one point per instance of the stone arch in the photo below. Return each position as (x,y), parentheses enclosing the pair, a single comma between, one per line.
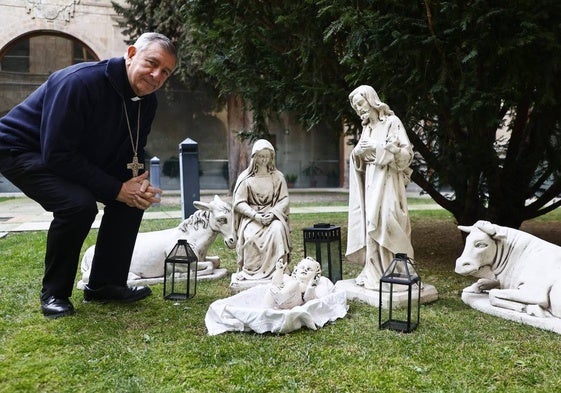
(35,33)
(93,23)
(47,51)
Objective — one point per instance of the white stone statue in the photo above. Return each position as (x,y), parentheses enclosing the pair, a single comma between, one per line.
(520,271)
(378,222)
(286,292)
(519,275)
(151,248)
(285,304)
(261,209)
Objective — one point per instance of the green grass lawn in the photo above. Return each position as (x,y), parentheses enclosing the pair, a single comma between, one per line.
(160,346)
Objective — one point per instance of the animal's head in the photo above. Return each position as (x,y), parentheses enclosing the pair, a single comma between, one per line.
(219,218)
(479,251)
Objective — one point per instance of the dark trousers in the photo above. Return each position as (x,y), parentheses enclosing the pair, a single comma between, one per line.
(74,209)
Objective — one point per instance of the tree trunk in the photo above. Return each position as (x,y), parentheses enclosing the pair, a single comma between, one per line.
(238,151)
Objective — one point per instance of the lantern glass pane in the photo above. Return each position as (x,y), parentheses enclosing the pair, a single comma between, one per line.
(323,243)
(322,256)
(400,296)
(180,272)
(180,280)
(336,268)
(403,316)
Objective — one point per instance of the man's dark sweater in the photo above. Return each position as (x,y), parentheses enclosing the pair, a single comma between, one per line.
(76,121)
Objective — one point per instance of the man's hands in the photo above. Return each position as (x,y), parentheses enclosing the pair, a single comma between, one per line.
(138,192)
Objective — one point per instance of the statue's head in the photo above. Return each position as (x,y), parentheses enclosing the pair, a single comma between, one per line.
(306,270)
(263,153)
(364,99)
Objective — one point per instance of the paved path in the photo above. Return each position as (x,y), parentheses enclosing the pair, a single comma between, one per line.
(23,214)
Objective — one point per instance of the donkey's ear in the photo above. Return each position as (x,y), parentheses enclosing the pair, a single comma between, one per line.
(201,205)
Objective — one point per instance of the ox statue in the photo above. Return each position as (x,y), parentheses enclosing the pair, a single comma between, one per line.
(519,271)
(151,248)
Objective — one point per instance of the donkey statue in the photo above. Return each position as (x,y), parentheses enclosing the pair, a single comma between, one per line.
(151,248)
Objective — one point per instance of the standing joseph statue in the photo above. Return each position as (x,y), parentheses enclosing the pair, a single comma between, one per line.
(379,171)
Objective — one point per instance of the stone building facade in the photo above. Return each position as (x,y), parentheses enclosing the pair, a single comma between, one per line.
(40,36)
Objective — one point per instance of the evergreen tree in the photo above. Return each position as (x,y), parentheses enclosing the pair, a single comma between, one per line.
(454,72)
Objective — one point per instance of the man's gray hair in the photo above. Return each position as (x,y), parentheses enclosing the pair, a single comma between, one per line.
(146,39)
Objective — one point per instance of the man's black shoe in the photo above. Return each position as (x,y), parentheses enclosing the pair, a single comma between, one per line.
(115,293)
(56,308)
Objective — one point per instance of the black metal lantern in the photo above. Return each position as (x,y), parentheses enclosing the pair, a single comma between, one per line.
(323,243)
(400,285)
(180,272)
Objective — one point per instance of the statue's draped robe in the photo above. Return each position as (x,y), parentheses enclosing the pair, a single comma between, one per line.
(247,311)
(378,222)
(260,247)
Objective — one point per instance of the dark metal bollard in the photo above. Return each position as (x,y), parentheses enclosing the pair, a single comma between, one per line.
(189,174)
(155,174)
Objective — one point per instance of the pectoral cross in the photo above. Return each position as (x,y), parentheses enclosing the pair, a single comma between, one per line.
(134,166)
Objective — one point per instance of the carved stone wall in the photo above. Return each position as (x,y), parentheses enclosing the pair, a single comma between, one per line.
(91,21)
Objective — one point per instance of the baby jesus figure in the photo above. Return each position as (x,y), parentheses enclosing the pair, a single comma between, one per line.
(286,292)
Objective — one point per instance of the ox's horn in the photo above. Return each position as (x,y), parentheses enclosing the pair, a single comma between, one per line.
(487,227)
(464,228)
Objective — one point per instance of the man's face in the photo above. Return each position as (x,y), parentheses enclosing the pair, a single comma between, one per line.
(149,69)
